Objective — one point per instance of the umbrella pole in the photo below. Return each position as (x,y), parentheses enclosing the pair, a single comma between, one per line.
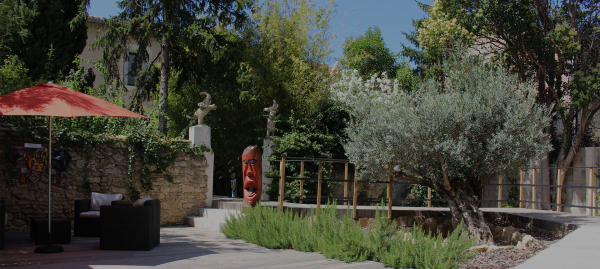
(49,248)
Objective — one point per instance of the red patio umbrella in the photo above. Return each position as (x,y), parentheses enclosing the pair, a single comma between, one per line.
(52,100)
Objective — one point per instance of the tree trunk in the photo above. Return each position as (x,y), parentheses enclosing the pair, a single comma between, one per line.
(165,70)
(465,206)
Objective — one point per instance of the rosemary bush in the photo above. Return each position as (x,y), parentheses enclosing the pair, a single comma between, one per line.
(345,240)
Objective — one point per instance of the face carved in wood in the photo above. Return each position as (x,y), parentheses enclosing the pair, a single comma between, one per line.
(252,169)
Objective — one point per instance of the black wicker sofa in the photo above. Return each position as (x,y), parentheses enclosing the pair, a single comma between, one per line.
(128,227)
(88,226)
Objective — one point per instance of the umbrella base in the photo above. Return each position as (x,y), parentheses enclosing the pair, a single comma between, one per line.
(49,249)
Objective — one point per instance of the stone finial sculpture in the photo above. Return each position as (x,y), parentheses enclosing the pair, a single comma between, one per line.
(252,169)
(204,108)
(271,121)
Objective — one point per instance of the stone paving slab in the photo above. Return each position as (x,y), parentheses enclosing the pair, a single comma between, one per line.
(180,247)
(579,249)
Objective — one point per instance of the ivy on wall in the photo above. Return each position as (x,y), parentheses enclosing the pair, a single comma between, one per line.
(144,143)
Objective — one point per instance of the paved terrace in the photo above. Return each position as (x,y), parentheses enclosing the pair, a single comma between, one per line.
(180,247)
(187,247)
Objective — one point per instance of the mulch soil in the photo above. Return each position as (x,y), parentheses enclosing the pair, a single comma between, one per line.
(513,257)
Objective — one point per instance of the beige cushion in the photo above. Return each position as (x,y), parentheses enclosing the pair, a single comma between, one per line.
(99,199)
(140,202)
(90,214)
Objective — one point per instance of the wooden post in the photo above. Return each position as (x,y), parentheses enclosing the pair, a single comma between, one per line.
(428,197)
(591,193)
(390,191)
(521,191)
(346,183)
(319,186)
(558,191)
(301,181)
(355,198)
(499,191)
(534,192)
(281,183)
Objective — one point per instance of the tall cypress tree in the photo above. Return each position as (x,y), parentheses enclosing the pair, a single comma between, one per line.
(46,43)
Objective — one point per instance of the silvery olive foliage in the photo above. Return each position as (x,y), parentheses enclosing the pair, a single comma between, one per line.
(477,121)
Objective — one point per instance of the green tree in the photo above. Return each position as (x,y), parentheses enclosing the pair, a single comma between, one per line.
(7,27)
(451,136)
(287,54)
(13,77)
(280,54)
(42,36)
(427,64)
(555,42)
(318,135)
(407,77)
(185,30)
(369,55)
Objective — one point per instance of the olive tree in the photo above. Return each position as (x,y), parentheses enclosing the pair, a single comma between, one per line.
(451,136)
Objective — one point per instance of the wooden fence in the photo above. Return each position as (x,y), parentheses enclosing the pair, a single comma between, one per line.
(591,208)
(346,180)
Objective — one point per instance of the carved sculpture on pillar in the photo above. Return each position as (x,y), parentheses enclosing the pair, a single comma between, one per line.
(204,108)
(252,169)
(271,121)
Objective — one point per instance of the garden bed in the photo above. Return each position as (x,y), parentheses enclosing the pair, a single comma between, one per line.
(374,237)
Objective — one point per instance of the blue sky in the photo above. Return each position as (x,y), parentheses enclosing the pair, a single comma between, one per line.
(353,18)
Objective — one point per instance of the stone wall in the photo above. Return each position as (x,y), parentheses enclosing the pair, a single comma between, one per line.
(107,167)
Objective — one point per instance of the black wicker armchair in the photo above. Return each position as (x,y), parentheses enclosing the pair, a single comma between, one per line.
(130,227)
(88,226)
(2,222)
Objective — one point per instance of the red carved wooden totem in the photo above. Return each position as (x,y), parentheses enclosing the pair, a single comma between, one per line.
(252,169)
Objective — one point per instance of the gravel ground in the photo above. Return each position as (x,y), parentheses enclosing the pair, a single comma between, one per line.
(513,257)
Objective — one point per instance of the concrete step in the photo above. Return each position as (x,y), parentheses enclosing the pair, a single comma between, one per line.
(216,214)
(205,223)
(212,219)
(232,205)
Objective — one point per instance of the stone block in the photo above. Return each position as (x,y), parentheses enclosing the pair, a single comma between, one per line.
(372,222)
(188,188)
(527,240)
(27,211)
(402,221)
(441,229)
(430,226)
(497,233)
(420,219)
(165,189)
(364,222)
(480,248)
(500,248)
(507,233)
(119,190)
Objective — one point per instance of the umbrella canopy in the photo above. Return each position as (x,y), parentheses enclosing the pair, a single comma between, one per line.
(52,100)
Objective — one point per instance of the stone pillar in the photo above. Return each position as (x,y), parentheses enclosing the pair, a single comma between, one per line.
(200,134)
(266,167)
